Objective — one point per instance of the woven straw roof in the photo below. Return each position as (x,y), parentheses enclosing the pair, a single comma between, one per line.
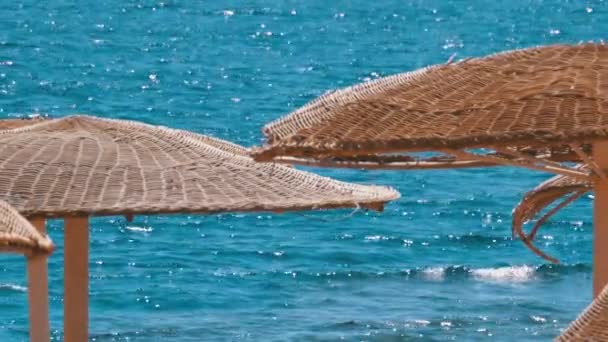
(531,97)
(18,235)
(16,123)
(591,324)
(541,197)
(82,165)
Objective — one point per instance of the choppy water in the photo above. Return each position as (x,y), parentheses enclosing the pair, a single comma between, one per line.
(439,264)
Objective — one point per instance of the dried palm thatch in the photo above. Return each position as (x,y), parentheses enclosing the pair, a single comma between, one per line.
(82,165)
(15,123)
(591,324)
(536,99)
(17,235)
(542,197)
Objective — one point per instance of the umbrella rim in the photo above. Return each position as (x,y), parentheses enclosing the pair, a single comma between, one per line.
(349,148)
(10,242)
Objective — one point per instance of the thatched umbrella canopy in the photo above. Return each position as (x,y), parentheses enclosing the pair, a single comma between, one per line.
(80,166)
(18,235)
(533,108)
(20,122)
(536,101)
(591,324)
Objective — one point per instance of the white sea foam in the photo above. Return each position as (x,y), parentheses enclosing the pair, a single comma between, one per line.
(13,287)
(539,319)
(434,273)
(376,238)
(422,322)
(512,274)
(139,229)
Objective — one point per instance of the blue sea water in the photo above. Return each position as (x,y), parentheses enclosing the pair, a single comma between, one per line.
(439,264)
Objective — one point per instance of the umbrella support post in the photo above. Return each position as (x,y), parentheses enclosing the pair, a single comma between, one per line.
(38,291)
(76,279)
(600,221)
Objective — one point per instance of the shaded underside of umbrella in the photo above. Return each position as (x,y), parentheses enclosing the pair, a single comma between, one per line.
(560,188)
(82,165)
(591,324)
(17,235)
(522,104)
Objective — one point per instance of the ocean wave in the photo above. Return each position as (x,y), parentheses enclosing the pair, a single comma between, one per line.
(139,229)
(503,274)
(469,240)
(13,287)
(443,322)
(135,334)
(513,274)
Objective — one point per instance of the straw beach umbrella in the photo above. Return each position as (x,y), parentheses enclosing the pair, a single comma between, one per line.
(15,123)
(18,235)
(591,324)
(532,108)
(80,166)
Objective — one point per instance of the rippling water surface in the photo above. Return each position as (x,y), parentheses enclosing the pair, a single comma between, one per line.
(438,264)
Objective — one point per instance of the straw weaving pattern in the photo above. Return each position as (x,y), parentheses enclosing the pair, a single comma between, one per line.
(530,97)
(591,324)
(82,165)
(18,235)
(15,123)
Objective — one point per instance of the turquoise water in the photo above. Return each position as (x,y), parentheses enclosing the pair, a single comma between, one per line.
(438,264)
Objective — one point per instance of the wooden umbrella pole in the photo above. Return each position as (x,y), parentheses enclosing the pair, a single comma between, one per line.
(76,279)
(600,220)
(38,291)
